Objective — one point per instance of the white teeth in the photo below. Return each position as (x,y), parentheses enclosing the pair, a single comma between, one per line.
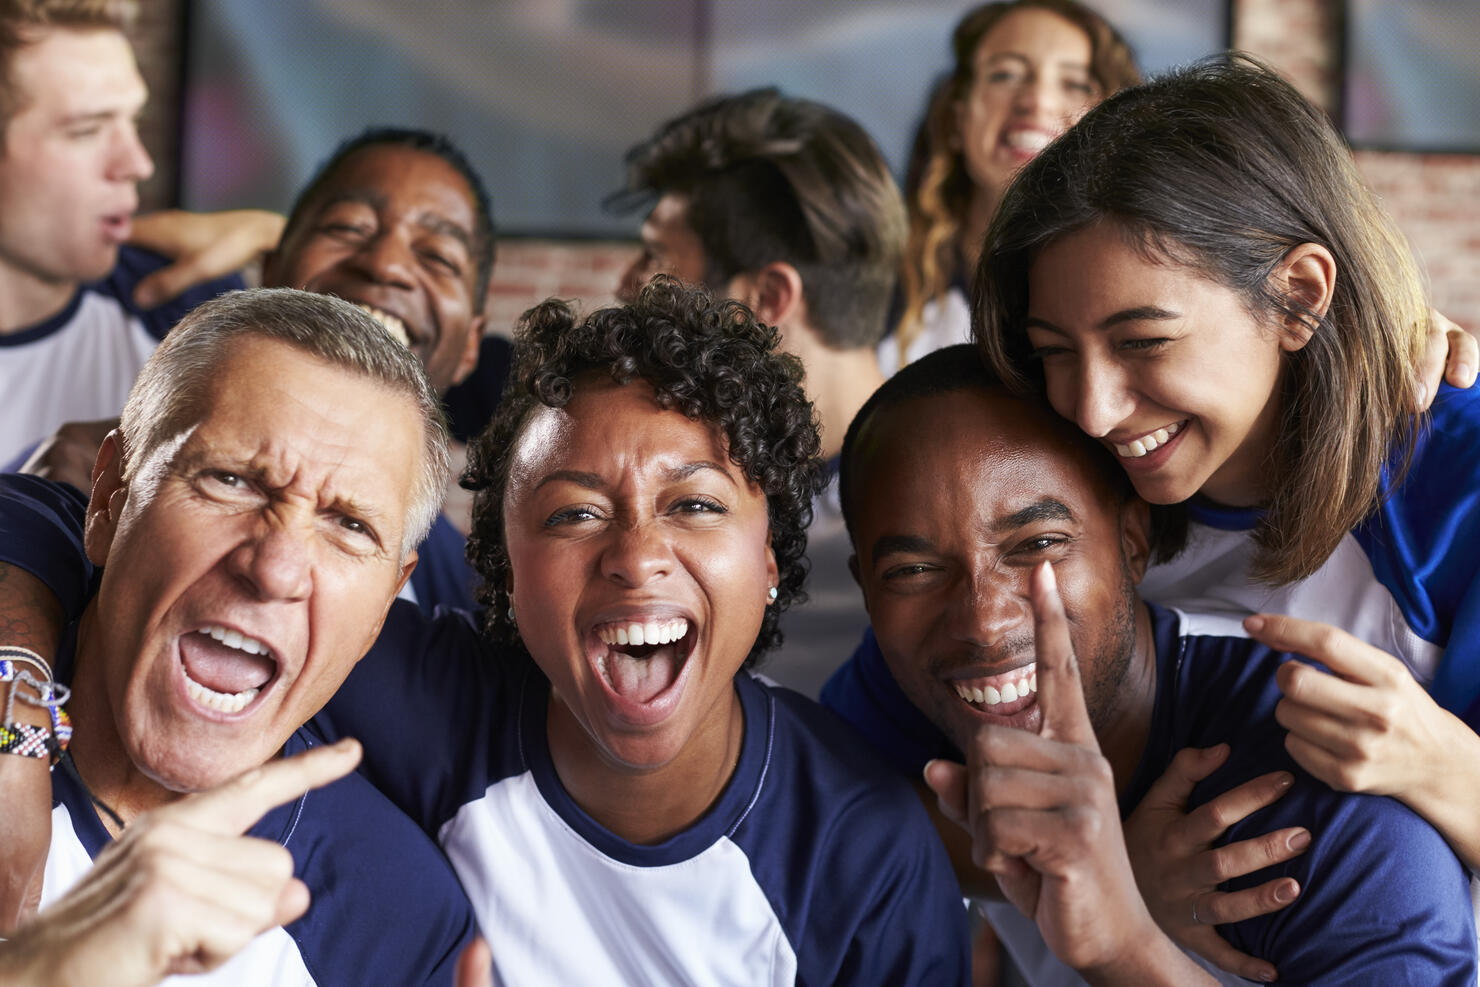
(390,323)
(1028,140)
(648,632)
(992,696)
(237,640)
(1137,448)
(222,701)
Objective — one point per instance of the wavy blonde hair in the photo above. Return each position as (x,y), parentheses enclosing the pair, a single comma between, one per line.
(938,189)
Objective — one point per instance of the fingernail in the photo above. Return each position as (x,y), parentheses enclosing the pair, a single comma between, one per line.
(1284,781)
(1254,624)
(1465,372)
(1265,976)
(1297,842)
(1215,752)
(1049,579)
(1285,893)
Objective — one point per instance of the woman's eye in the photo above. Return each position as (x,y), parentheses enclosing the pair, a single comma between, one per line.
(1145,344)
(570,515)
(699,505)
(1047,352)
(226,479)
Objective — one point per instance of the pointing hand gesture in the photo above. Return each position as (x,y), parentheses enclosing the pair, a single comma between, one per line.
(1044,818)
(182,890)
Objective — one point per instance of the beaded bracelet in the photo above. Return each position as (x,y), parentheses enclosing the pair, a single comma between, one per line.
(28,741)
(49,695)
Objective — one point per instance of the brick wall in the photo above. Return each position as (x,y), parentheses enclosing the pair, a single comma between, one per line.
(530,270)
(1435,198)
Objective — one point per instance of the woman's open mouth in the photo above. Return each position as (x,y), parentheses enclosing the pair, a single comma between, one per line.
(641,658)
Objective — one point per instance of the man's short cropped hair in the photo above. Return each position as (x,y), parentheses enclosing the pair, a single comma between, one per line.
(166,397)
(24,22)
(771,179)
(960,368)
(428,142)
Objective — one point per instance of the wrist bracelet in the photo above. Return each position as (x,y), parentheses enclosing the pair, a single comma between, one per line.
(26,740)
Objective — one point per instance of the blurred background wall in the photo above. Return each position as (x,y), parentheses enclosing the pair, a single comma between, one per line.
(662,60)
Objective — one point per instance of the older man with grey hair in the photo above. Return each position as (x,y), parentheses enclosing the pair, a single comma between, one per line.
(278,460)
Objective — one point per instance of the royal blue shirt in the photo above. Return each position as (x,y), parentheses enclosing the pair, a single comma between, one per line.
(1383,900)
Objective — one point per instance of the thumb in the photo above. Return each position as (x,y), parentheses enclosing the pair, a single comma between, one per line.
(292,902)
(475,965)
(948,781)
(1190,766)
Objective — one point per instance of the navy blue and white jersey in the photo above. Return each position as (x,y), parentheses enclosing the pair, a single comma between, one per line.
(442,577)
(1406,580)
(385,907)
(1383,900)
(79,364)
(815,865)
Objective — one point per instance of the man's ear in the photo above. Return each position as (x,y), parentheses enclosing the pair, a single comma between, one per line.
(469,359)
(408,566)
(1307,277)
(1135,536)
(109,494)
(773,293)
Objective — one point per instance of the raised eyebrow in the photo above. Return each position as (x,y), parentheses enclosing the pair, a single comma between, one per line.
(886,545)
(687,470)
(590,481)
(1044,509)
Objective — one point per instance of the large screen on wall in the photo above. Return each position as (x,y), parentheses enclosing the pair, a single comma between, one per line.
(545,95)
(1412,74)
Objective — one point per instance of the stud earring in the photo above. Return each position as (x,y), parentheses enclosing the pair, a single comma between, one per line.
(772,593)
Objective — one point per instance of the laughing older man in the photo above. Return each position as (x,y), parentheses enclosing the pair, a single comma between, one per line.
(278,461)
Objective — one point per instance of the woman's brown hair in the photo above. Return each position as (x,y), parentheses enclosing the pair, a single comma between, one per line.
(1224,168)
(939,190)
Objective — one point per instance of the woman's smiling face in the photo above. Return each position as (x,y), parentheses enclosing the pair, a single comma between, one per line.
(1166,367)
(623,519)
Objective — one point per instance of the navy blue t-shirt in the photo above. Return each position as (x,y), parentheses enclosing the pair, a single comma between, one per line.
(1384,899)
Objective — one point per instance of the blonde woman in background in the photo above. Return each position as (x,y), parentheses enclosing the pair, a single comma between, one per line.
(1025,71)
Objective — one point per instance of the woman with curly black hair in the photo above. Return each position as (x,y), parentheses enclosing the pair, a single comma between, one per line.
(623,800)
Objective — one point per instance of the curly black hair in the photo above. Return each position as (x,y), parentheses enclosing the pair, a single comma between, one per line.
(712,361)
